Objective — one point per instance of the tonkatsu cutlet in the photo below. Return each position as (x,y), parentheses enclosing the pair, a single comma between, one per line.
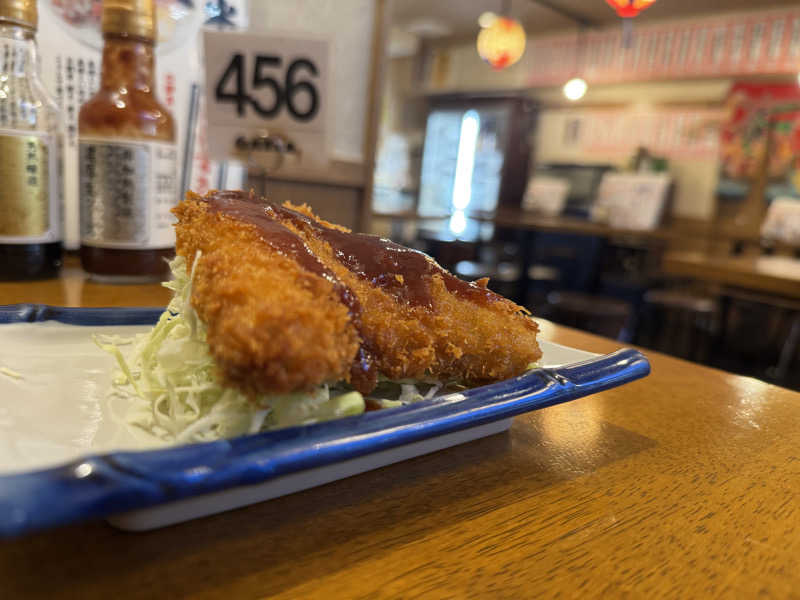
(291,301)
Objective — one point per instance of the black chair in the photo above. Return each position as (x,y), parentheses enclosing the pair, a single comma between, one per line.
(678,322)
(602,315)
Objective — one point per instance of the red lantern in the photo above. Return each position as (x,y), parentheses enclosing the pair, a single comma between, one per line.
(502,43)
(628,9)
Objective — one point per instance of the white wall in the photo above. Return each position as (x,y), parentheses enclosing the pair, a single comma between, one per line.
(695,176)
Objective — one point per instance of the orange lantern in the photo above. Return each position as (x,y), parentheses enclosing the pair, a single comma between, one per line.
(629,8)
(502,43)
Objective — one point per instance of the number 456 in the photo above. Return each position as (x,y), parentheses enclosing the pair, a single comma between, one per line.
(288,93)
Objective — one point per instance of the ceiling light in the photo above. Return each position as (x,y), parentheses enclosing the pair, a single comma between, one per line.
(575,89)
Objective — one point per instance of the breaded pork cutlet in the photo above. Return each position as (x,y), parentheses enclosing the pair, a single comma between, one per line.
(291,301)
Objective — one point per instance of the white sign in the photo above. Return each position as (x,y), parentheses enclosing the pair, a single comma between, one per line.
(631,200)
(261,84)
(546,195)
(782,222)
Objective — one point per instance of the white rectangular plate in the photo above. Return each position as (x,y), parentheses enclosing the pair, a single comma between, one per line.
(58,433)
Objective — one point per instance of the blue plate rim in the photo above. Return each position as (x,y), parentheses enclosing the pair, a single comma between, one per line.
(98,486)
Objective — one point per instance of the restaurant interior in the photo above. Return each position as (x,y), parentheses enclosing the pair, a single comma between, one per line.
(291,409)
(630,177)
(631,174)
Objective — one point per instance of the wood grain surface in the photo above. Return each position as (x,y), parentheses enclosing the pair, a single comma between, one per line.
(778,275)
(74,288)
(681,485)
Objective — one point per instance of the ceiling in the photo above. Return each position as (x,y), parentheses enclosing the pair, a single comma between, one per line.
(458,18)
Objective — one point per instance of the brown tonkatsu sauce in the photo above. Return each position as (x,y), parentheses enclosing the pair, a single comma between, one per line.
(402,272)
(244,207)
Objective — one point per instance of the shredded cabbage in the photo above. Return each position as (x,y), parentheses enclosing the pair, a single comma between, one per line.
(168,383)
(10,373)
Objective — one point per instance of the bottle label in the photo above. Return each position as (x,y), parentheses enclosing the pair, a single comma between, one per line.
(29,192)
(127,189)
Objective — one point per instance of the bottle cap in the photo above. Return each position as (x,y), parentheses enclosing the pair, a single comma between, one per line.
(129,17)
(19,12)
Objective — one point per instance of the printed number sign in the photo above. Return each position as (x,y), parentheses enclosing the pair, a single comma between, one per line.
(259,82)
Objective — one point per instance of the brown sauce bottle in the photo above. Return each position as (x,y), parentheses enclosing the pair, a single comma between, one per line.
(128,180)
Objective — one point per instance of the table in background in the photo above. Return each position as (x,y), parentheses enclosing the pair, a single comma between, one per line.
(683,484)
(772,281)
(779,275)
(681,231)
(636,254)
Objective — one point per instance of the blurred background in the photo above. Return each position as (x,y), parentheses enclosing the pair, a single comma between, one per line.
(632,171)
(627,167)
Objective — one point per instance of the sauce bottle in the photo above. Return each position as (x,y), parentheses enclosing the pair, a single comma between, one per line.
(127,155)
(30,138)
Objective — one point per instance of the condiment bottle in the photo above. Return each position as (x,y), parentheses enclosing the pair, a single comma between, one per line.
(30,138)
(127,155)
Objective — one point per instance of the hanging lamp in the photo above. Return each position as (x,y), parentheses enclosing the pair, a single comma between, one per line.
(627,9)
(501,40)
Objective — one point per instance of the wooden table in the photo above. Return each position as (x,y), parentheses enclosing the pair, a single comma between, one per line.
(74,288)
(679,230)
(528,221)
(521,219)
(778,275)
(682,485)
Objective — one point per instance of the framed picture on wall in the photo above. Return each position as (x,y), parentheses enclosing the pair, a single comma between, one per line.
(760,141)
